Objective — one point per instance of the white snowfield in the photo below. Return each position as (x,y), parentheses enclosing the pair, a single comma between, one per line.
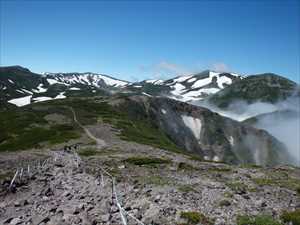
(177,89)
(39,89)
(154,81)
(231,141)
(194,124)
(74,89)
(60,96)
(163,111)
(92,79)
(182,78)
(53,81)
(21,101)
(197,91)
(27,99)
(144,93)
(28,92)
(41,99)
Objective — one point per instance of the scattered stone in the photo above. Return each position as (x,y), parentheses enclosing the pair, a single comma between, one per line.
(17,204)
(15,221)
(157,198)
(105,218)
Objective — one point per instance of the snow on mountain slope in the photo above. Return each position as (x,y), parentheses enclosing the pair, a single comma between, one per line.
(21,101)
(92,79)
(189,87)
(17,82)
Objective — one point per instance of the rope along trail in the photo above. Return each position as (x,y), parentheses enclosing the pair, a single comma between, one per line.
(101,143)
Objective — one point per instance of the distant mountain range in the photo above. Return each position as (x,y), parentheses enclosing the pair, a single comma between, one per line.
(20,86)
(157,112)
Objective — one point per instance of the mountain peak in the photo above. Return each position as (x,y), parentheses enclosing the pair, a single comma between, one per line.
(14,68)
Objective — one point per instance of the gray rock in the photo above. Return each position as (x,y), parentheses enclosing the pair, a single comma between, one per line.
(15,221)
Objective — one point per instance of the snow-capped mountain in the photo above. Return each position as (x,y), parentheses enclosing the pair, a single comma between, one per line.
(188,88)
(91,79)
(19,86)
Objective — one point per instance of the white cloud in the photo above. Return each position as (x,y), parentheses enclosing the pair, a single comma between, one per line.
(220,67)
(164,69)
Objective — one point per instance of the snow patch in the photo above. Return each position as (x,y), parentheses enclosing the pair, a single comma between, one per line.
(40,89)
(192,80)
(178,88)
(24,90)
(231,141)
(53,81)
(144,93)
(21,101)
(223,80)
(194,124)
(42,99)
(182,78)
(20,91)
(216,158)
(163,111)
(60,96)
(74,89)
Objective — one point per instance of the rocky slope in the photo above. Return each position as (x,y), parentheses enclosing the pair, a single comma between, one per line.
(152,185)
(207,134)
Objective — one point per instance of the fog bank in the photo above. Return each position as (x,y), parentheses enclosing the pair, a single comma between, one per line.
(282,120)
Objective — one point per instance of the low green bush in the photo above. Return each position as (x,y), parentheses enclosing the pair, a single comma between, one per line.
(139,161)
(193,217)
(292,216)
(257,220)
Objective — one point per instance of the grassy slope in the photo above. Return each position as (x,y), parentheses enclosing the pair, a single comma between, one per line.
(26,127)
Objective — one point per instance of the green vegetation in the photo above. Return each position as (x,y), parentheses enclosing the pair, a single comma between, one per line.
(298,190)
(224,202)
(195,218)
(131,120)
(293,217)
(140,161)
(264,87)
(220,169)
(196,158)
(186,188)
(257,220)
(88,152)
(7,175)
(155,180)
(186,167)
(26,127)
(251,166)
(228,194)
(237,186)
(280,179)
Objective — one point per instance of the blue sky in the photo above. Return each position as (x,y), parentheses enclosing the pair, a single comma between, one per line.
(135,40)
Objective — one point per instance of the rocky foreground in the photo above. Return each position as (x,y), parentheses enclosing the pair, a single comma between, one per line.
(151,186)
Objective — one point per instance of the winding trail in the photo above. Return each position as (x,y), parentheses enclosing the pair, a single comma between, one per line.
(100,143)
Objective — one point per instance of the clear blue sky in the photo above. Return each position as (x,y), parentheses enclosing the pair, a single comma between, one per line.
(144,39)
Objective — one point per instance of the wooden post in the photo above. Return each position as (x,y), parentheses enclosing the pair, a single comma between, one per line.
(13,180)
